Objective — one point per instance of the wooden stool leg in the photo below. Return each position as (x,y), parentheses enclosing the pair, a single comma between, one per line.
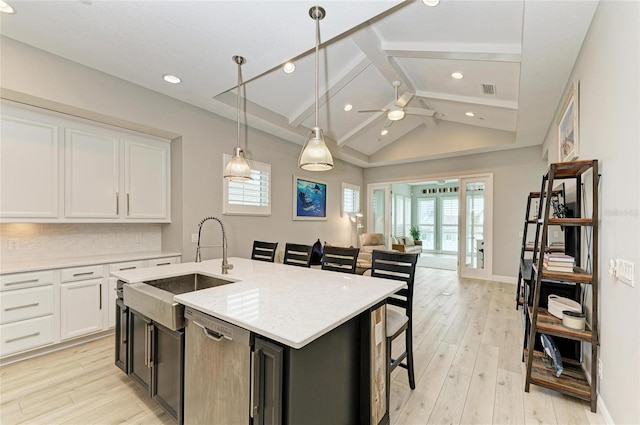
(409,347)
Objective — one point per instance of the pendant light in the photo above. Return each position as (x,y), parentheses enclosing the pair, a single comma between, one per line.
(238,168)
(315,155)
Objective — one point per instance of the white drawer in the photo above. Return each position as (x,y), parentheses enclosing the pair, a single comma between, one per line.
(162,261)
(25,280)
(129,265)
(25,335)
(26,303)
(81,273)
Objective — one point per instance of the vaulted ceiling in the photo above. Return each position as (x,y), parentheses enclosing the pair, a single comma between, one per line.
(515,57)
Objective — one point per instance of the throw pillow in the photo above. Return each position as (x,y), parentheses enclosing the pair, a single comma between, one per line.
(408,241)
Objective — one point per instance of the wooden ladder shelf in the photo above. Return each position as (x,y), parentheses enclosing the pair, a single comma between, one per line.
(573,380)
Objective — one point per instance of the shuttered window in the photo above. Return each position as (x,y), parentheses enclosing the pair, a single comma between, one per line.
(251,197)
(350,198)
(427,222)
(449,223)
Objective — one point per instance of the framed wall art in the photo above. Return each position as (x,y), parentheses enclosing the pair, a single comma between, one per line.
(309,199)
(568,126)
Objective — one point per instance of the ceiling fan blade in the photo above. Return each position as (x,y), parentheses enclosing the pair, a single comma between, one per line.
(404,99)
(420,111)
(373,110)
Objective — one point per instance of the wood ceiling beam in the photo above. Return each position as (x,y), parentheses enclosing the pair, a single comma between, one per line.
(331,91)
(470,52)
(497,103)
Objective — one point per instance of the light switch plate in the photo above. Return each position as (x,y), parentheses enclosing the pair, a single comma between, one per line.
(625,271)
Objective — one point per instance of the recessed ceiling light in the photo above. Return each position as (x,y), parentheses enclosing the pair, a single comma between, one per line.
(289,67)
(348,107)
(457,75)
(470,114)
(171,79)
(384,132)
(431,3)
(6,8)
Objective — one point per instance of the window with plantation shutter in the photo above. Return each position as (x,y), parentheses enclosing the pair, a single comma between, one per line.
(449,223)
(427,222)
(251,197)
(350,198)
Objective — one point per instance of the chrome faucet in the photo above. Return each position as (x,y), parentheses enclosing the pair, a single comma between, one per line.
(225,264)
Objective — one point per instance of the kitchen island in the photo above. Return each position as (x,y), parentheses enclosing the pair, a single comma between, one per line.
(322,334)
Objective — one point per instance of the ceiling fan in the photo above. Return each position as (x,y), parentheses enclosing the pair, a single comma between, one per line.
(400,109)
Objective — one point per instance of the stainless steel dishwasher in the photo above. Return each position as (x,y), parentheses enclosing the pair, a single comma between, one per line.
(217,371)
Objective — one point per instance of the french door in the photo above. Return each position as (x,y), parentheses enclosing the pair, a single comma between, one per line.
(379,210)
(475,245)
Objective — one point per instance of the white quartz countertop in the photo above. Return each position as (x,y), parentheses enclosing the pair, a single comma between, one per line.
(289,304)
(60,263)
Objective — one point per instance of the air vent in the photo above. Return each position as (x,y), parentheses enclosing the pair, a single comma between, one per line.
(489,89)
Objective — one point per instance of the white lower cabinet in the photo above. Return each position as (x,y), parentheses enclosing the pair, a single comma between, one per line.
(27,334)
(47,307)
(81,308)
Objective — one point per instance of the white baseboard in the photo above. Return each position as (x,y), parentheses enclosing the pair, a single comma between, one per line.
(505,279)
(602,409)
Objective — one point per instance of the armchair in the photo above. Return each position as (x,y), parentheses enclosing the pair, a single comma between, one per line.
(368,243)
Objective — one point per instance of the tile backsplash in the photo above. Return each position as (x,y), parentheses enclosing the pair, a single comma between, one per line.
(33,241)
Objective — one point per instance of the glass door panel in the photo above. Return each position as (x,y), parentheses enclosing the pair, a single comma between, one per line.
(378,209)
(476,218)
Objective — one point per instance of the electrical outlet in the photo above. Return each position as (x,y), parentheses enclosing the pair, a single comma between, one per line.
(600,369)
(139,237)
(14,244)
(194,237)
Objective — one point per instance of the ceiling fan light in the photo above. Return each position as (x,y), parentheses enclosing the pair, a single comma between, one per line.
(237,168)
(395,114)
(6,7)
(315,155)
(431,3)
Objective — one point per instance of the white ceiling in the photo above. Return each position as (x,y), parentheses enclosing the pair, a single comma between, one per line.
(525,48)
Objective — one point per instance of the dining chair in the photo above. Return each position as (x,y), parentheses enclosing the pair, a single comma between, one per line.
(264,251)
(398,266)
(297,255)
(339,259)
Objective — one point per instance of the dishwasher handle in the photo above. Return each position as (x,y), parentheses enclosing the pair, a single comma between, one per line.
(215,336)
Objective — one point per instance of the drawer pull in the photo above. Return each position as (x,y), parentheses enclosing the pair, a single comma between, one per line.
(23,281)
(82,274)
(127,268)
(117,203)
(128,203)
(22,337)
(163,264)
(100,289)
(21,306)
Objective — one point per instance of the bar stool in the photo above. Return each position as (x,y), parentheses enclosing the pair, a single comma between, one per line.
(398,266)
(264,251)
(297,255)
(340,259)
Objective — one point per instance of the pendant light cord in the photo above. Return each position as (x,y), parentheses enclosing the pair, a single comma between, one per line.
(317,18)
(238,103)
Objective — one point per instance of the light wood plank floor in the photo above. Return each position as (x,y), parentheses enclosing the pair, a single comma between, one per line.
(467,348)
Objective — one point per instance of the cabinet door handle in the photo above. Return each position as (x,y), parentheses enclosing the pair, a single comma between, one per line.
(100,289)
(128,203)
(21,306)
(146,344)
(123,328)
(82,274)
(117,203)
(252,383)
(150,364)
(163,264)
(22,281)
(22,337)
(127,268)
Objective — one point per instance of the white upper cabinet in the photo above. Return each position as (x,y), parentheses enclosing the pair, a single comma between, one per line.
(29,167)
(58,169)
(91,175)
(147,180)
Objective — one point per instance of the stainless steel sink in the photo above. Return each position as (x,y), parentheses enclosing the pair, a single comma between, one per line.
(154,298)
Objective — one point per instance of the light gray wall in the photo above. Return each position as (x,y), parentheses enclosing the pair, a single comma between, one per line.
(515,173)
(199,138)
(608,69)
